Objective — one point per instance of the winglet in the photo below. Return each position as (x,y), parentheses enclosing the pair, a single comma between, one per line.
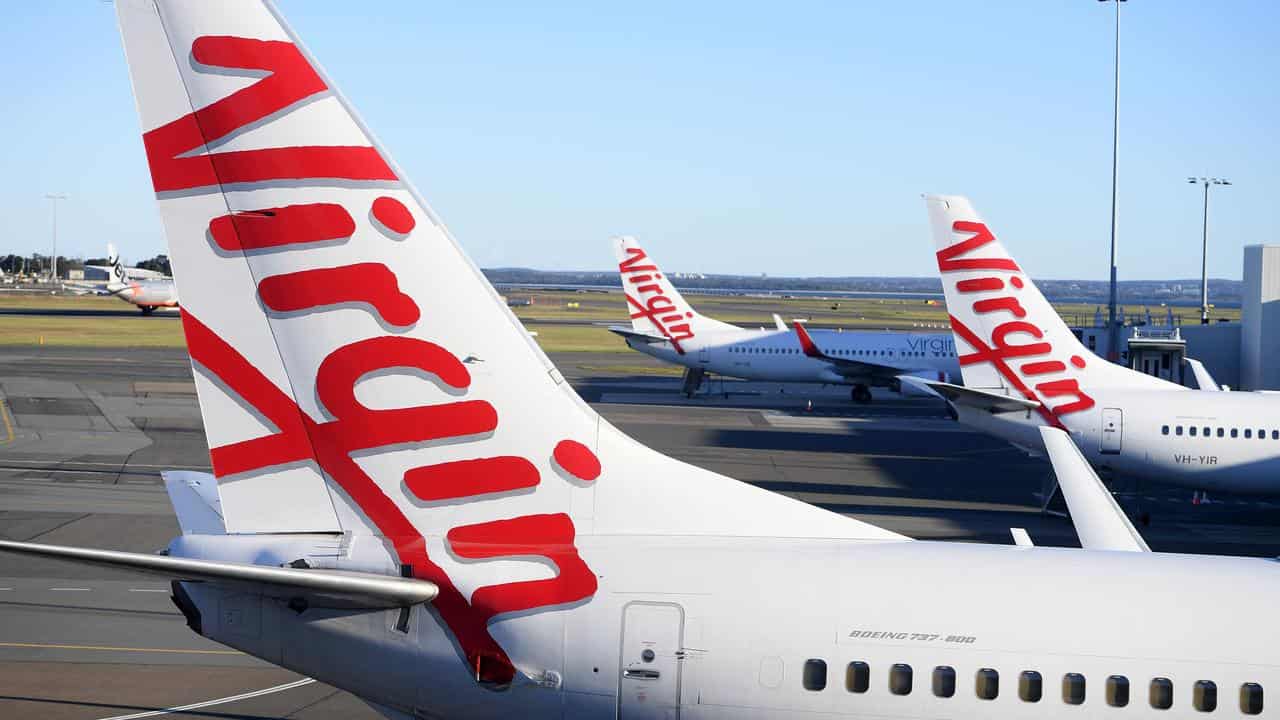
(777,322)
(1204,380)
(806,343)
(1099,521)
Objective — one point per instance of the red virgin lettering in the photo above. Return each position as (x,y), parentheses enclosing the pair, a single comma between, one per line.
(988,284)
(1007,304)
(949,258)
(372,284)
(657,308)
(546,536)
(278,227)
(467,478)
(291,80)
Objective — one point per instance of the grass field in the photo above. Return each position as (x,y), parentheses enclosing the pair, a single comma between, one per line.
(865,313)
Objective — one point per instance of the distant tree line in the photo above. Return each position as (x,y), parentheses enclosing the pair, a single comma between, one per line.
(38,264)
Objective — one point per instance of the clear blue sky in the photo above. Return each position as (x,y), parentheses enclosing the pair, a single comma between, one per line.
(740,137)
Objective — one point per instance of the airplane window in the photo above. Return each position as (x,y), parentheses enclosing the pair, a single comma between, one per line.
(944,681)
(987,684)
(1178,431)
(1275,434)
(815,674)
(1117,691)
(1205,696)
(1206,432)
(1073,689)
(1235,432)
(1161,694)
(1221,432)
(1192,430)
(900,679)
(1030,686)
(1262,434)
(1251,699)
(1248,433)
(857,677)
(1164,429)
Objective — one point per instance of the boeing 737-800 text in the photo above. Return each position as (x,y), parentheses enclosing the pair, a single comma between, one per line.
(410,503)
(666,326)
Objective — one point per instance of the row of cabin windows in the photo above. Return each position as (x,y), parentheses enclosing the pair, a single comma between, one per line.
(1206,431)
(857,679)
(843,353)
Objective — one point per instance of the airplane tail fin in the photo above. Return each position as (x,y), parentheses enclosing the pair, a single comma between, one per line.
(1008,335)
(119,278)
(355,371)
(656,307)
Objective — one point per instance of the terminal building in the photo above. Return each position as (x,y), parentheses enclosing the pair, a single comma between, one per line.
(1242,356)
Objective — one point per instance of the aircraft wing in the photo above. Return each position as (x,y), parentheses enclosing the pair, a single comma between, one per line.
(1099,521)
(843,366)
(992,402)
(349,589)
(630,334)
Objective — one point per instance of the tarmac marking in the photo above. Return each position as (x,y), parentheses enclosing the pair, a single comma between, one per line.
(70,589)
(8,423)
(219,701)
(111,648)
(156,590)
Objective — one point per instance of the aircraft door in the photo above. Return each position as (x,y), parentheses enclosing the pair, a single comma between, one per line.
(650,661)
(1112,431)
(704,356)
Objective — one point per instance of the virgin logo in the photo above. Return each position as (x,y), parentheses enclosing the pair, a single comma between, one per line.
(1017,348)
(350,427)
(649,301)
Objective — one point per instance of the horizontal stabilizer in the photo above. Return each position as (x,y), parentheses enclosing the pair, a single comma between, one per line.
(1100,523)
(195,501)
(991,402)
(347,589)
(635,335)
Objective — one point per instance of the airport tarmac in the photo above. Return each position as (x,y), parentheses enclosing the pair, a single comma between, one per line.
(84,434)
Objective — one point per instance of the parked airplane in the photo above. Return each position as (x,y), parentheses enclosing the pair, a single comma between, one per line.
(147,294)
(1024,368)
(666,326)
(410,503)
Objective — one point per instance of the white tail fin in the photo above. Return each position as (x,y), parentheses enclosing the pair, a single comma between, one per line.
(1008,335)
(328,311)
(656,307)
(119,277)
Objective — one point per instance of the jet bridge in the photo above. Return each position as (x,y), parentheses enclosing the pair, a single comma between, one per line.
(1159,351)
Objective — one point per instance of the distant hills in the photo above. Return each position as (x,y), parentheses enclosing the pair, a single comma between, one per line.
(1223,293)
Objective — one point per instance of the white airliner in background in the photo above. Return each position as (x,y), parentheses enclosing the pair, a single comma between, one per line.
(1024,368)
(666,326)
(146,293)
(410,503)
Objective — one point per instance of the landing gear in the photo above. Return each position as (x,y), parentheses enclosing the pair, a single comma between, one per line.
(692,381)
(147,309)
(861,394)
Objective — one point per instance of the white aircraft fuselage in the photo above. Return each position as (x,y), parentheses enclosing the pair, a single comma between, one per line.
(732,622)
(776,356)
(1147,434)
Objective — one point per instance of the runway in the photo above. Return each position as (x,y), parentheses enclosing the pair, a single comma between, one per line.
(124,311)
(84,435)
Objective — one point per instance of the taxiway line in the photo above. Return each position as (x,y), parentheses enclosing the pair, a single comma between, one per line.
(218,701)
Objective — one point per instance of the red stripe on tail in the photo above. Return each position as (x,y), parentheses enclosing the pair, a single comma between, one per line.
(277,227)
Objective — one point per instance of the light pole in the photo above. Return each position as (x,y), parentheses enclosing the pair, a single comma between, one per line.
(53,200)
(1113,329)
(1204,244)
